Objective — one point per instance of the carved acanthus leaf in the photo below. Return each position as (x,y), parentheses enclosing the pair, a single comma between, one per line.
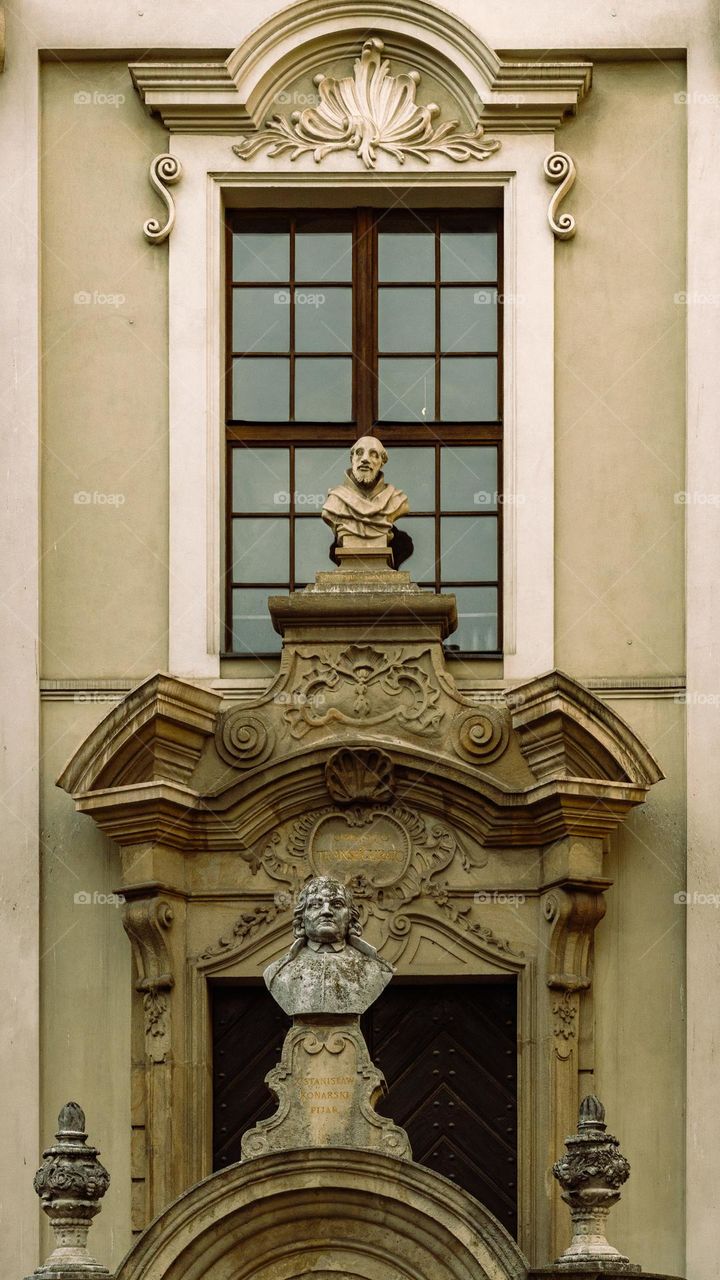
(248,924)
(370,111)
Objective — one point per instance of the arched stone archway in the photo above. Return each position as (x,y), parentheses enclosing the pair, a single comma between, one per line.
(325,1215)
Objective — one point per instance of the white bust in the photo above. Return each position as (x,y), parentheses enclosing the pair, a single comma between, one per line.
(329,968)
(364,505)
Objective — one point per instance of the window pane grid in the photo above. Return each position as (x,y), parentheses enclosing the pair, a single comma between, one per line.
(453,323)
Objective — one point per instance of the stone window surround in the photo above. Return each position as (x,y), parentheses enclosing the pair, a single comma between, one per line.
(514,176)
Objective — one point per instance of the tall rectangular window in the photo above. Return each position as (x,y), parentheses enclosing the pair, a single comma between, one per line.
(369,322)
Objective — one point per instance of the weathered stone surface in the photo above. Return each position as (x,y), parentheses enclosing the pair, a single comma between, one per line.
(295,1214)
(71,1183)
(326,1087)
(591,1174)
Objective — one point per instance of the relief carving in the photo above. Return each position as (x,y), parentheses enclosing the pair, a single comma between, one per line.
(242,739)
(360,773)
(146,923)
(370,111)
(365,686)
(481,735)
(248,924)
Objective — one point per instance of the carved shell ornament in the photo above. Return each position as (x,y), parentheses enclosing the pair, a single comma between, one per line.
(370,111)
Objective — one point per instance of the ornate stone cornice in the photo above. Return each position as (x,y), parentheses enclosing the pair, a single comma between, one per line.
(238,93)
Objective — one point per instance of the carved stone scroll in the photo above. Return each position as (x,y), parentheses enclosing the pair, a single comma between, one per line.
(146,923)
(164,171)
(560,170)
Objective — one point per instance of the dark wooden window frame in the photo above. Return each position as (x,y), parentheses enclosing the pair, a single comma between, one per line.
(364,224)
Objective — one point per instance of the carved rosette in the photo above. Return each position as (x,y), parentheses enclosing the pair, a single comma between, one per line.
(591,1174)
(365,113)
(71,1182)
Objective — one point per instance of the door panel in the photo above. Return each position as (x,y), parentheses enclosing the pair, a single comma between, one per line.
(449,1056)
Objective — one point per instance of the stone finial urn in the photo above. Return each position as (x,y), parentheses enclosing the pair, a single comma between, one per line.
(71,1183)
(591,1174)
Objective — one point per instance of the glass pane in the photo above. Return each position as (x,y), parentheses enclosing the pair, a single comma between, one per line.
(261,550)
(468,548)
(406,319)
(468,389)
(406,255)
(323,321)
(422,561)
(323,390)
(313,540)
(261,389)
(468,478)
(261,320)
(477,630)
(414,471)
(326,256)
(468,319)
(260,479)
(261,255)
(315,471)
(407,390)
(468,255)
(252,629)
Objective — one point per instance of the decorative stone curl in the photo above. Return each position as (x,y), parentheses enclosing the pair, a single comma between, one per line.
(559,169)
(591,1174)
(243,740)
(481,736)
(164,170)
(71,1183)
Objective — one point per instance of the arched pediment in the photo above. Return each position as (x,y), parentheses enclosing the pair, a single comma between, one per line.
(364,1213)
(238,93)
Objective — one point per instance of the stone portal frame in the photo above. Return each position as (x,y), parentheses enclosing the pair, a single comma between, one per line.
(221,813)
(522,103)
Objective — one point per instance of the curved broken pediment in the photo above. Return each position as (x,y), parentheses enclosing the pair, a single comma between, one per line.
(238,93)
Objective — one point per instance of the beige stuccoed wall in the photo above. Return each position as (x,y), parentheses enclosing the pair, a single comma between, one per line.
(86,977)
(104,424)
(620,394)
(104,379)
(639,994)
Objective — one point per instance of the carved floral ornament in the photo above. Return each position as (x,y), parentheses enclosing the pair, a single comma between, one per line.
(370,111)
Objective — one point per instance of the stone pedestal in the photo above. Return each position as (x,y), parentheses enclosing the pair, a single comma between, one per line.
(326,1087)
(71,1183)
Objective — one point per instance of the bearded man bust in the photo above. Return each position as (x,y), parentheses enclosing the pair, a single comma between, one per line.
(365,506)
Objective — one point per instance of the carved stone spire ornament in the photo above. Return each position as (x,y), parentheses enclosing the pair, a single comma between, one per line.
(370,111)
(591,1175)
(71,1182)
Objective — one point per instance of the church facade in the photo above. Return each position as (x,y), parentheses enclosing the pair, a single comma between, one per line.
(458,268)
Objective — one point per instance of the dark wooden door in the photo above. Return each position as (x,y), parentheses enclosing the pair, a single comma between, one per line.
(449,1056)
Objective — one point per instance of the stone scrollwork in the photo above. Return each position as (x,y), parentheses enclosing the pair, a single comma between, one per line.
(146,923)
(242,739)
(367,686)
(560,170)
(370,111)
(165,169)
(481,736)
(248,925)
